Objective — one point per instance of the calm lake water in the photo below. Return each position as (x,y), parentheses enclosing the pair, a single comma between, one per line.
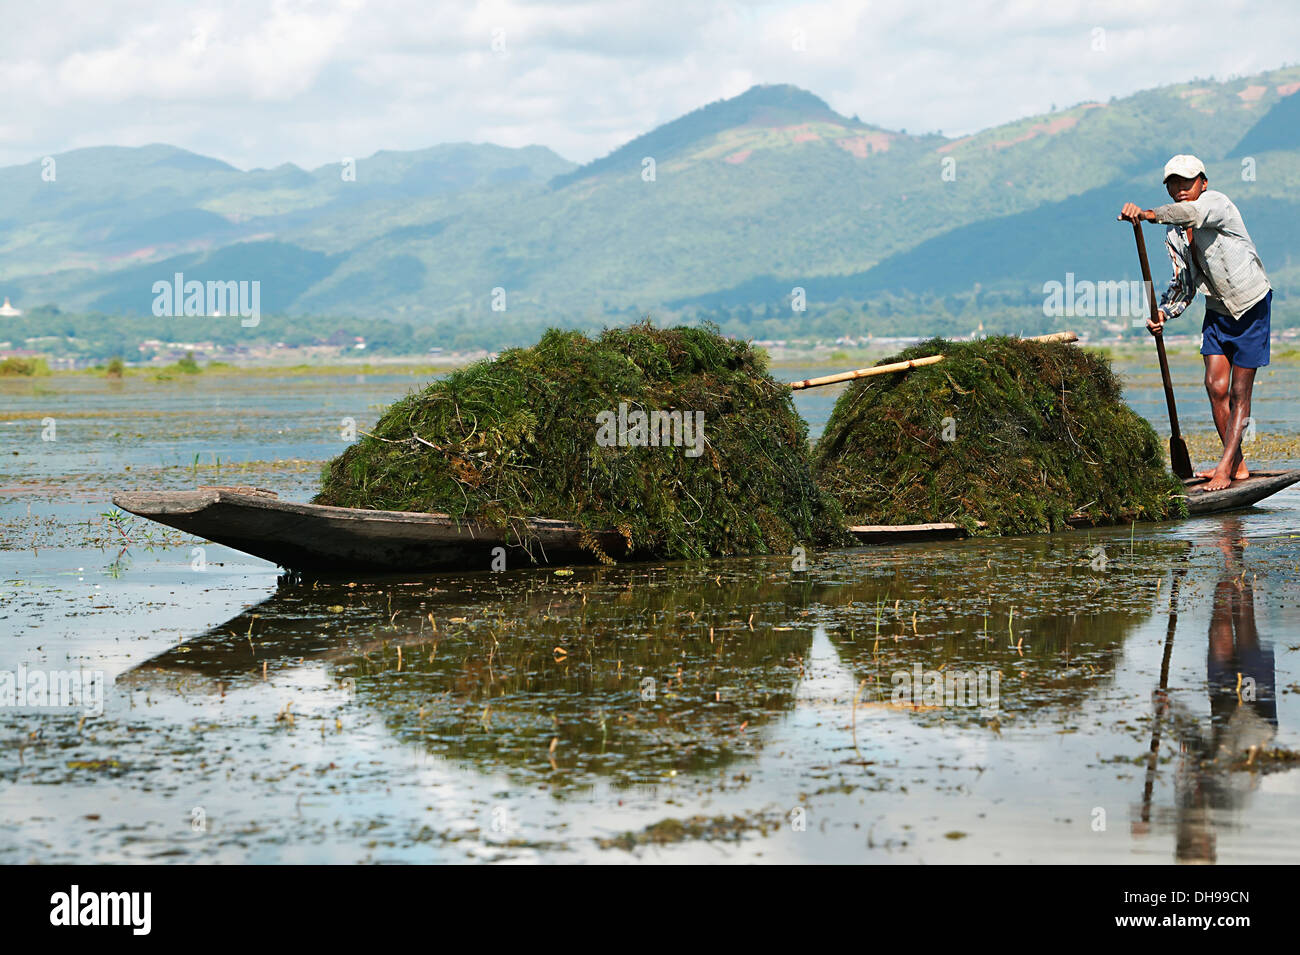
(1098,692)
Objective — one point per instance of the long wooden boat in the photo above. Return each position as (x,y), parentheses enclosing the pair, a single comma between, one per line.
(318,539)
(312,537)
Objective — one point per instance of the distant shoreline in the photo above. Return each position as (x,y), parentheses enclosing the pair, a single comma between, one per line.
(813,356)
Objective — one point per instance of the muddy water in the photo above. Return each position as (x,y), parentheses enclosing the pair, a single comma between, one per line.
(1090,696)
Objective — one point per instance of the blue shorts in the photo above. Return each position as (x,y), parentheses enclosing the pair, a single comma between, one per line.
(1243,341)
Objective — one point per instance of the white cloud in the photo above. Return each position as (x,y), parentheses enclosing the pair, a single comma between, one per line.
(260,82)
(206,57)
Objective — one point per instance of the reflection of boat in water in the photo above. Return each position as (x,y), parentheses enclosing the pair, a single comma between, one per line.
(1215,771)
(522,659)
(635,672)
(1061,647)
(319,539)
(1043,627)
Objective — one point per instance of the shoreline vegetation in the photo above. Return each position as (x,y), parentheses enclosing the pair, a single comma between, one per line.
(18,368)
(180,369)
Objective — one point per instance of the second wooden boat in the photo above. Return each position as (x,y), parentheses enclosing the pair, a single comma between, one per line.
(1244,493)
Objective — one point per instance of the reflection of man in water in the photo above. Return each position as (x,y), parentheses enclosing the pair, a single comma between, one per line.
(1243,709)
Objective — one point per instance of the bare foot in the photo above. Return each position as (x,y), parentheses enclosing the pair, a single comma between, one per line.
(1241,474)
(1217,482)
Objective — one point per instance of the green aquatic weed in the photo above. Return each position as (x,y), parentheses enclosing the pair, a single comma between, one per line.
(1004,436)
(518,437)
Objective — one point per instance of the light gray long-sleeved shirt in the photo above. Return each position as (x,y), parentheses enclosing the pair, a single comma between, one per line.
(1226,263)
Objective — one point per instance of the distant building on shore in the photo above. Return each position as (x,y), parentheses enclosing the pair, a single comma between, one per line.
(8,311)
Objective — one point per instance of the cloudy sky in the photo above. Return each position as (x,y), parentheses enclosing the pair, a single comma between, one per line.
(261,82)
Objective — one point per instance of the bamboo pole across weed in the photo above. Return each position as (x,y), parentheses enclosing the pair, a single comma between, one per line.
(905,365)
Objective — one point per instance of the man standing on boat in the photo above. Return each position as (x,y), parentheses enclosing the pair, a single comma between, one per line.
(1210,247)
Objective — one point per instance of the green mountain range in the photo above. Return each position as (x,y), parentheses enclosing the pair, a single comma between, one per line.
(720,213)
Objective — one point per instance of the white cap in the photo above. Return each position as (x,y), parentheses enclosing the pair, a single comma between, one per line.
(1189,167)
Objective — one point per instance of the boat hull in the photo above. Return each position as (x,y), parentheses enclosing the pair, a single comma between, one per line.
(326,540)
(1200,503)
(319,539)
(1247,493)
